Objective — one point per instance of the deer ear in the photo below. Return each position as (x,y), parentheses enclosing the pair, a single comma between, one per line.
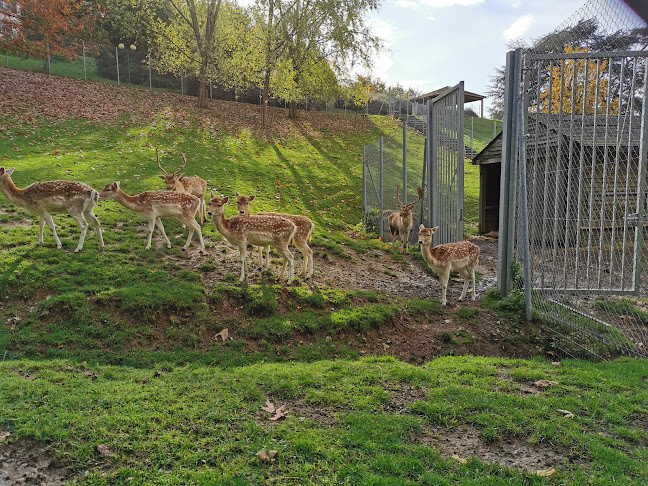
(252,197)
(10,171)
(211,193)
(421,227)
(161,176)
(116,184)
(434,229)
(236,193)
(225,199)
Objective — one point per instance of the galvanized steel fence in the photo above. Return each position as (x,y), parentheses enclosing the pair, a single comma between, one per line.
(573,217)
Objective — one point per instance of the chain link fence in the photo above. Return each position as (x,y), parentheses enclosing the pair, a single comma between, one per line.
(578,114)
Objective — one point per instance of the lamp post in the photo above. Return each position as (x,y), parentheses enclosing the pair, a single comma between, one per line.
(117,47)
(122,46)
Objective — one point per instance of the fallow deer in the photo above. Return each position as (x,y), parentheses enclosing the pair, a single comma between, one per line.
(194,185)
(154,205)
(52,197)
(459,257)
(259,230)
(401,222)
(303,235)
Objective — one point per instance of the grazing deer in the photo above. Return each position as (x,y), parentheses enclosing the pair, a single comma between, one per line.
(459,257)
(303,234)
(47,198)
(400,222)
(154,205)
(259,230)
(194,185)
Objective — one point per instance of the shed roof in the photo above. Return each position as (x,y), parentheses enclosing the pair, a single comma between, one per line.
(468,96)
(491,153)
(587,129)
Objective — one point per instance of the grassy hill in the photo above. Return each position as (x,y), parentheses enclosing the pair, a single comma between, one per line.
(116,370)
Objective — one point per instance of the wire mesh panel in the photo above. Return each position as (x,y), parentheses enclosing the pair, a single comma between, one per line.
(583,160)
(446,165)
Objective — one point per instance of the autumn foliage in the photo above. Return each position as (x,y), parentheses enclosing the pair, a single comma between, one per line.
(53,27)
(578,86)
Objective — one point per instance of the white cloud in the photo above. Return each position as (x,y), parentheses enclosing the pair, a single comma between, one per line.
(406,3)
(451,3)
(518,28)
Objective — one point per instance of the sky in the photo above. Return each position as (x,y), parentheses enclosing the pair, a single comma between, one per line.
(437,43)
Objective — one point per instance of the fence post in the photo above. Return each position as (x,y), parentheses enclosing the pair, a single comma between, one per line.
(380,230)
(405,161)
(472,130)
(117,62)
(364,185)
(430,154)
(181,85)
(150,74)
(85,70)
(506,240)
(49,61)
(641,189)
(7,58)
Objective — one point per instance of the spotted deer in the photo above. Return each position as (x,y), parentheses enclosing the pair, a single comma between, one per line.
(401,222)
(459,257)
(303,235)
(154,205)
(54,197)
(194,185)
(259,230)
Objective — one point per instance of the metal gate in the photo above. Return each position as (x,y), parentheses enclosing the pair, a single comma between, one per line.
(573,202)
(445,155)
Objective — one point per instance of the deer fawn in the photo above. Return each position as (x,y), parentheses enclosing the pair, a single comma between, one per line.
(194,185)
(459,257)
(400,222)
(154,205)
(259,230)
(47,198)
(303,234)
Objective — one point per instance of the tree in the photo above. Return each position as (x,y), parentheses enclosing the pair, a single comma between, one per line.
(307,44)
(53,27)
(585,35)
(186,40)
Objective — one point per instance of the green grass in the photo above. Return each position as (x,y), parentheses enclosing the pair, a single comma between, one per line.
(196,424)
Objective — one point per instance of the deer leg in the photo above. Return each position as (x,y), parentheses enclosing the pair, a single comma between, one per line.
(150,227)
(474,283)
(406,241)
(465,286)
(195,227)
(443,279)
(95,222)
(267,255)
(288,260)
(307,253)
(84,230)
(50,223)
(260,255)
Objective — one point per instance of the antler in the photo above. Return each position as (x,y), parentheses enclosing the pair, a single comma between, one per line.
(157,155)
(420,194)
(398,197)
(184,158)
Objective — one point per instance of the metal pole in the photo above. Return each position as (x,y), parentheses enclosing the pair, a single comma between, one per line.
(380,230)
(364,185)
(128,64)
(7,59)
(405,161)
(507,182)
(85,71)
(641,189)
(431,154)
(472,130)
(117,58)
(181,85)
(150,76)
(49,61)
(524,215)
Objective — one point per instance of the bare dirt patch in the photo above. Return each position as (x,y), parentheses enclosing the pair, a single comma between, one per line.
(26,461)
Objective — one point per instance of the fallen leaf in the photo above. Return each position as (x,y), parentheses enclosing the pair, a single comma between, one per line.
(3,435)
(566,413)
(545,383)
(104,450)
(546,472)
(557,364)
(279,413)
(224,334)
(460,460)
(265,455)
(270,408)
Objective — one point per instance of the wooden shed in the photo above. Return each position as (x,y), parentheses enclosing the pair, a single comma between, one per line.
(489,161)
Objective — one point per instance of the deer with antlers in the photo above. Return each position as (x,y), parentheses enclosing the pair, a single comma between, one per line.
(154,205)
(52,197)
(401,221)
(303,235)
(194,185)
(460,257)
(256,229)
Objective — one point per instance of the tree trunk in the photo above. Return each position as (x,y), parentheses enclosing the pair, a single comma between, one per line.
(292,110)
(202,85)
(266,91)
